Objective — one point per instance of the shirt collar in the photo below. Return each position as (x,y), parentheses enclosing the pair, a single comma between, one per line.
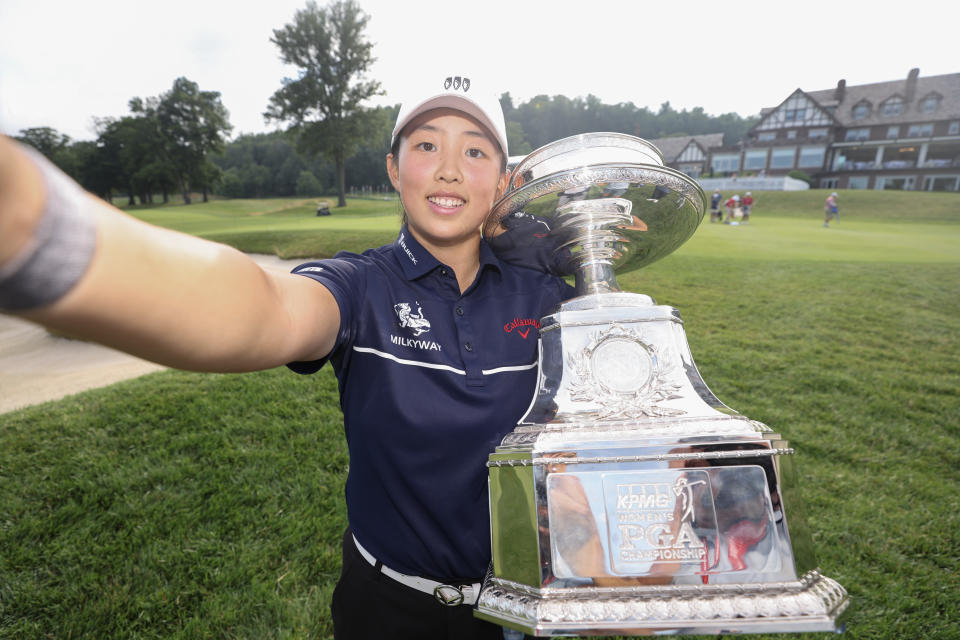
(413,258)
(488,258)
(416,261)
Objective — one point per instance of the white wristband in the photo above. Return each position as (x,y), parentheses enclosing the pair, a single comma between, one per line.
(61,248)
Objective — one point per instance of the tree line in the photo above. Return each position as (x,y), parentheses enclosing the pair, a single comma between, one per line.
(327,141)
(164,146)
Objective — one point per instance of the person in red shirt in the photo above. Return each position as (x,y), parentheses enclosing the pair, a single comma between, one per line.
(830,209)
(733,209)
(746,204)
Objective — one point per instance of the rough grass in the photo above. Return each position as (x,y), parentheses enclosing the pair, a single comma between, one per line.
(201,506)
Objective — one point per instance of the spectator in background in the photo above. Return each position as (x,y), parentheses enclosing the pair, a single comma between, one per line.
(733,209)
(746,204)
(830,209)
(715,206)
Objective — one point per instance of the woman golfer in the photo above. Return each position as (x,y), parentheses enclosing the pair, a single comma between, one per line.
(425,337)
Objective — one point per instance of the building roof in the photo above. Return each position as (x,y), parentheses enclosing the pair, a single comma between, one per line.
(913,90)
(671,148)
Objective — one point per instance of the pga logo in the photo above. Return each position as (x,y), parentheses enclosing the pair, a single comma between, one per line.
(457,83)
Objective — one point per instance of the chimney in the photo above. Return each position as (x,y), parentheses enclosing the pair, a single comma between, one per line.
(840,91)
(911,89)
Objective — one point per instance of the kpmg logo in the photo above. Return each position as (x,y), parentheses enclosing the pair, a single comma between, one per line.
(416,322)
(654,521)
(457,83)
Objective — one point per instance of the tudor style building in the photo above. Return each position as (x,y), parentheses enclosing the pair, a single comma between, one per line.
(902,134)
(689,154)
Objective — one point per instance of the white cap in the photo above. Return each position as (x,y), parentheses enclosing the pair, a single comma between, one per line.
(455,92)
(834,194)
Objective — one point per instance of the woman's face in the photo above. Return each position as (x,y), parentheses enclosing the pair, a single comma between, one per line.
(447,170)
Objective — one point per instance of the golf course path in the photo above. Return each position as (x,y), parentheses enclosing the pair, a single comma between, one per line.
(38,367)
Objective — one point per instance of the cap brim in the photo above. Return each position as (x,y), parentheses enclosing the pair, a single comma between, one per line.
(451,101)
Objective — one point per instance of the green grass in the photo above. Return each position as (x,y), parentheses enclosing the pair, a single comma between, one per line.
(288,228)
(202,506)
(893,206)
(175,505)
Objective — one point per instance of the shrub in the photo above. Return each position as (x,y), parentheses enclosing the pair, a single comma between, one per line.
(801,175)
(308,185)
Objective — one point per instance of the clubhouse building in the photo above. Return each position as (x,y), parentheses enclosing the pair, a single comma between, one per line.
(902,134)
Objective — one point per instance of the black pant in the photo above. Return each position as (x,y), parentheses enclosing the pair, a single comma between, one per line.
(368,605)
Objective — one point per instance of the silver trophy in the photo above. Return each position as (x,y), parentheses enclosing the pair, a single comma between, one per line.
(629,500)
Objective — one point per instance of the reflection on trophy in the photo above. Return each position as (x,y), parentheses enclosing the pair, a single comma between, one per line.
(629,500)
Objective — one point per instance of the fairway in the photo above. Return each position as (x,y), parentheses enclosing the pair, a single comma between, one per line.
(874,230)
(184,505)
(277,215)
(781,238)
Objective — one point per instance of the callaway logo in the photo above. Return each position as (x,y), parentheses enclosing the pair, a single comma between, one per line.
(526,323)
(457,83)
(305,269)
(415,322)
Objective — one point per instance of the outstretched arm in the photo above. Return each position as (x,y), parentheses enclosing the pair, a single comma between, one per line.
(166,296)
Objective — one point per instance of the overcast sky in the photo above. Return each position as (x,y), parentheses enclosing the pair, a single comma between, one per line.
(64,62)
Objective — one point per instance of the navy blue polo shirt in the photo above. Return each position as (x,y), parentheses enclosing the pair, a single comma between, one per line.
(430,382)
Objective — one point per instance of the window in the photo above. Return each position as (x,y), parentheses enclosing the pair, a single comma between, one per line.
(942,183)
(920,130)
(953,129)
(756,159)
(725,162)
(811,156)
(861,111)
(893,132)
(895,183)
(782,158)
(767,136)
(791,135)
(893,106)
(817,133)
(930,104)
(791,115)
(857,134)
(858,182)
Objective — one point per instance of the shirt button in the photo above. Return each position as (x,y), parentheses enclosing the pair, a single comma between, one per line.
(468,346)
(459,311)
(443,272)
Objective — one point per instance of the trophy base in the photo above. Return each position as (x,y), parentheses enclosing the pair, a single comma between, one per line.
(814,603)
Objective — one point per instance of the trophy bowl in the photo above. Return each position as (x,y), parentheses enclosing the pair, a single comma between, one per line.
(629,500)
(592,204)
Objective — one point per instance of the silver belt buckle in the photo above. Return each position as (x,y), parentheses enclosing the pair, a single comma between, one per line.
(447,598)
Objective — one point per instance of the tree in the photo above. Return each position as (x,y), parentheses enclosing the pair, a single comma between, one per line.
(323,104)
(46,140)
(193,124)
(116,140)
(308,185)
(516,139)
